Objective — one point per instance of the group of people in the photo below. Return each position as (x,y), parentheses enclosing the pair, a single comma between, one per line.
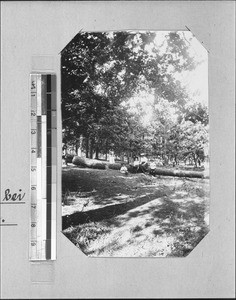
(140,166)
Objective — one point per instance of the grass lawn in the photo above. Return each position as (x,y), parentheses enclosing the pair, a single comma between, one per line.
(106,213)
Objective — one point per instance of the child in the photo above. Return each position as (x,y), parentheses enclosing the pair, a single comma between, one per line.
(152,168)
(124,170)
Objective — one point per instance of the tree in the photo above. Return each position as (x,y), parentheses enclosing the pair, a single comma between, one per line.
(196,112)
(194,137)
(104,69)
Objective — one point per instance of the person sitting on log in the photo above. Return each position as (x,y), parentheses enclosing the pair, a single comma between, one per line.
(143,167)
(136,165)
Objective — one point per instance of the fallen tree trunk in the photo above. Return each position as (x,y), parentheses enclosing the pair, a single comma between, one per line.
(89,163)
(100,164)
(178,173)
(95,163)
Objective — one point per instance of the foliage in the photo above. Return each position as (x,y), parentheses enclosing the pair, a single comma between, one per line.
(115,166)
(193,138)
(102,71)
(196,113)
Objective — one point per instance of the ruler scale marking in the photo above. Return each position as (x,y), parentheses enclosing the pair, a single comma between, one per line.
(53,163)
(43,167)
(49,153)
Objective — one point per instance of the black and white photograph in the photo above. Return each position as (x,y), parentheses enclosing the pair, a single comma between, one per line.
(117,149)
(135,176)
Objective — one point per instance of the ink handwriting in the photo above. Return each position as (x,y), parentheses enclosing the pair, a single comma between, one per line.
(8,196)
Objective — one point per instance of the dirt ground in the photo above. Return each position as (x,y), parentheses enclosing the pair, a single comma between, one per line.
(106,213)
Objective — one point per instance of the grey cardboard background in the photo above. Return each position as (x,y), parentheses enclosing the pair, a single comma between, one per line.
(32,29)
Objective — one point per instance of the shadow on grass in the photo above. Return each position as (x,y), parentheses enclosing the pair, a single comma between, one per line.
(180,224)
(184,222)
(107,212)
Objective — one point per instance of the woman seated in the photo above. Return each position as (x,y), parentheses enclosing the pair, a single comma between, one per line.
(136,165)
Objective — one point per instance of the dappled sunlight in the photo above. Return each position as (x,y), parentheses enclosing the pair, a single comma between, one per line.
(79,204)
(135,139)
(139,245)
(121,197)
(207,218)
(164,226)
(158,217)
(75,203)
(107,211)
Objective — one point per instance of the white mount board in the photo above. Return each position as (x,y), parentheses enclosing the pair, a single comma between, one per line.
(33,34)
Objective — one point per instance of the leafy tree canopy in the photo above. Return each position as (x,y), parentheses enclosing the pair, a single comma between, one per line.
(102,71)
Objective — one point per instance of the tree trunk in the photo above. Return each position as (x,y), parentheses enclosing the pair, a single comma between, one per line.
(178,173)
(87,147)
(76,147)
(91,148)
(176,160)
(129,157)
(195,159)
(94,163)
(97,152)
(106,147)
(79,145)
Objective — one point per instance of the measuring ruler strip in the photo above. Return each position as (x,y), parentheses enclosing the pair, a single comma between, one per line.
(33,167)
(54,164)
(49,194)
(39,207)
(43,167)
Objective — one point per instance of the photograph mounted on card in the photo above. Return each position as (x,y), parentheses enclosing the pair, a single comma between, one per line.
(135,143)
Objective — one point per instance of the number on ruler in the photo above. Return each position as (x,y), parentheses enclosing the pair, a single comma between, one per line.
(33,113)
(33,188)
(33,85)
(33,131)
(33,243)
(33,225)
(33,169)
(34,206)
(33,151)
